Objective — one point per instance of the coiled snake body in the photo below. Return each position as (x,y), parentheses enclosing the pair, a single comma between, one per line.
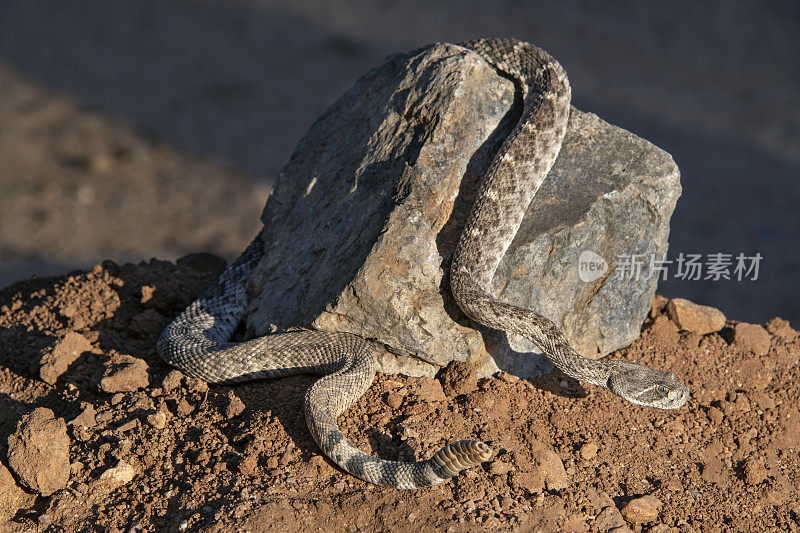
(198,340)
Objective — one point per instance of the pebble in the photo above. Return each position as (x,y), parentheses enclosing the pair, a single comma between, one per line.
(754,471)
(12,497)
(184,407)
(589,451)
(430,390)
(38,452)
(158,420)
(642,510)
(751,338)
(196,385)
(55,362)
(693,317)
(715,415)
(781,328)
(610,519)
(119,475)
(233,405)
(458,378)
(129,425)
(172,380)
(125,373)
(551,468)
(87,416)
(394,400)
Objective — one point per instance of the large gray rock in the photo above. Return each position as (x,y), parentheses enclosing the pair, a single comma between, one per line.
(364,219)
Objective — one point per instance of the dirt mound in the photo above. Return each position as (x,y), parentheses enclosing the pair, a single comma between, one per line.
(151,449)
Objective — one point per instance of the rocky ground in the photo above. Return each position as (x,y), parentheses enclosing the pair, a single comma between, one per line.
(134,129)
(97,434)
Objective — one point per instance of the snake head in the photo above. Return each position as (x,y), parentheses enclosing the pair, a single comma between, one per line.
(646,386)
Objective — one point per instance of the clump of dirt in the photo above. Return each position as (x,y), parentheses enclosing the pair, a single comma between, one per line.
(152,449)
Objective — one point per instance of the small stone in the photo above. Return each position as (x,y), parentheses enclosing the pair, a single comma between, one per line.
(64,353)
(751,338)
(147,293)
(129,425)
(125,373)
(430,390)
(458,378)
(610,519)
(781,328)
(38,451)
(546,470)
(249,465)
(158,420)
(715,415)
(196,385)
(589,451)
(12,497)
(117,476)
(233,405)
(674,485)
(693,317)
(172,380)
(642,510)
(762,399)
(754,471)
(86,418)
(184,407)
(394,399)
(555,477)
(713,469)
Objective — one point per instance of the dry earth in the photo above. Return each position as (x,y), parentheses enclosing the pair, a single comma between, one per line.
(131,130)
(97,434)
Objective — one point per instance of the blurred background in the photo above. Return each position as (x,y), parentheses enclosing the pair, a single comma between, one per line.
(132,129)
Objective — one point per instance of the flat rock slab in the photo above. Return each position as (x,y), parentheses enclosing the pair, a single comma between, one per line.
(365,217)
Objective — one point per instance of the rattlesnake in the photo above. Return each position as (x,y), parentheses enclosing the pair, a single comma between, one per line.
(198,340)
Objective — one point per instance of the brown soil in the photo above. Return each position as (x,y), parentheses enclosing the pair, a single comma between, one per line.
(240,458)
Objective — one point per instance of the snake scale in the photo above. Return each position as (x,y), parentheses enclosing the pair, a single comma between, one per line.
(198,340)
